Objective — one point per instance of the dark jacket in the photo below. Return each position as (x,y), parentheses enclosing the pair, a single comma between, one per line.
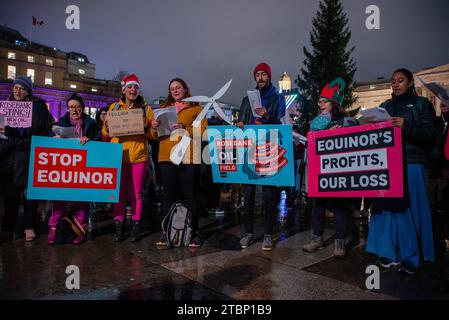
(419,132)
(18,144)
(91,129)
(275,107)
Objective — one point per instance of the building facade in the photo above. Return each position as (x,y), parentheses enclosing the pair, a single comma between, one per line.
(432,83)
(55,74)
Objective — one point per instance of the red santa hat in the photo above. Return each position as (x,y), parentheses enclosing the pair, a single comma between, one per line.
(129,80)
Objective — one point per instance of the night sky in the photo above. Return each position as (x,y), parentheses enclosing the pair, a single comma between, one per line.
(208,42)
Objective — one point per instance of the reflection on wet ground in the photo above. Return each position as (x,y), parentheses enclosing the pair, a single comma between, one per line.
(130,271)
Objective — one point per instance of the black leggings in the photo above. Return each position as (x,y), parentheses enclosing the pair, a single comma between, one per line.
(180,184)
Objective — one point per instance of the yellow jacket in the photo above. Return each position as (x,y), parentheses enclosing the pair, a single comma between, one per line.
(186,116)
(135,148)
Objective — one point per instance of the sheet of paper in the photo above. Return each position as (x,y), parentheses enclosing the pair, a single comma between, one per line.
(65,132)
(255,101)
(376,114)
(167,118)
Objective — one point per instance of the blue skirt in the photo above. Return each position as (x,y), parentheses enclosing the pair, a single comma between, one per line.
(400,236)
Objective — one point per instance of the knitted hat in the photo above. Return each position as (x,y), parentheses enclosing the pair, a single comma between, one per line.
(334,91)
(129,80)
(24,82)
(262,67)
(76,97)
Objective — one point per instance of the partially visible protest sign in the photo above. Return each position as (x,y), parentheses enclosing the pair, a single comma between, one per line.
(359,161)
(261,155)
(63,169)
(18,114)
(125,122)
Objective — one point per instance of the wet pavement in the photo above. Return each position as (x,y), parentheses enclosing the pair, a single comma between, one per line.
(130,271)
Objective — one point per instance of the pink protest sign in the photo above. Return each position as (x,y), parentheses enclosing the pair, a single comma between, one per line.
(18,114)
(359,161)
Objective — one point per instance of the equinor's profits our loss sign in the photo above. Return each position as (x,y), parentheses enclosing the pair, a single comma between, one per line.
(360,161)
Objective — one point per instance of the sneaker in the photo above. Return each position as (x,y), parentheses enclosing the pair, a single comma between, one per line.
(386,263)
(246,240)
(340,250)
(316,243)
(162,240)
(29,235)
(267,244)
(51,235)
(195,243)
(408,269)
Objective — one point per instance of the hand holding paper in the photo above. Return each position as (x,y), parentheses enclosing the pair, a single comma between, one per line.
(166,117)
(255,101)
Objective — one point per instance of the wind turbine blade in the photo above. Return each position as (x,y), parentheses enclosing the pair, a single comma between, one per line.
(222,91)
(220,112)
(197,99)
(200,117)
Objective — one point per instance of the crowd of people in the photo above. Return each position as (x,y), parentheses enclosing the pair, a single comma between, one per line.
(400,230)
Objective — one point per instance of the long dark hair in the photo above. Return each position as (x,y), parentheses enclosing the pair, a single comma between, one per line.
(170,100)
(409,75)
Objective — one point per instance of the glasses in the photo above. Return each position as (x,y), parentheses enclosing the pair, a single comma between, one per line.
(16,88)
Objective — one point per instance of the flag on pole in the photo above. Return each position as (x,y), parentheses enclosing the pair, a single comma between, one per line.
(37,22)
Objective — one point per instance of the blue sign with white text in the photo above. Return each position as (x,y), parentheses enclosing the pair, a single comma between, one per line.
(259,154)
(63,169)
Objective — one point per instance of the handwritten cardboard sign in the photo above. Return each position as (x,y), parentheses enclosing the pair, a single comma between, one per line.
(18,114)
(125,122)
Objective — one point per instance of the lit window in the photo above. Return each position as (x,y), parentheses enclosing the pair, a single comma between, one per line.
(73,86)
(30,74)
(48,78)
(12,55)
(81,71)
(31,59)
(94,90)
(12,72)
(81,59)
(49,62)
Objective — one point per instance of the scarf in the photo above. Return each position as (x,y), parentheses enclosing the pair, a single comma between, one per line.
(265,96)
(79,126)
(179,106)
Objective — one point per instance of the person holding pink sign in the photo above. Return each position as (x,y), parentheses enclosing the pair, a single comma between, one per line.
(18,154)
(135,157)
(332,116)
(401,228)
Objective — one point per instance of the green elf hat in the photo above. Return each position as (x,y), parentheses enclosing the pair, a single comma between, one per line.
(334,91)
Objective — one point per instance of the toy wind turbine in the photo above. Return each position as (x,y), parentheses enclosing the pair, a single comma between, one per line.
(210,102)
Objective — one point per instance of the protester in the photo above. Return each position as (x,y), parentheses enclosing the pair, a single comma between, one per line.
(87,130)
(401,228)
(271,112)
(181,182)
(135,158)
(332,116)
(18,148)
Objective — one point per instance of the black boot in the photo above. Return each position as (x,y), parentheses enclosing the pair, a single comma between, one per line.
(135,231)
(118,235)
